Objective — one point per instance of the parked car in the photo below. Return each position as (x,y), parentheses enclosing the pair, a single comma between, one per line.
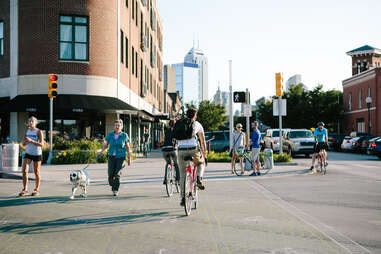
(360,144)
(346,145)
(272,138)
(334,141)
(220,143)
(299,141)
(377,149)
(372,146)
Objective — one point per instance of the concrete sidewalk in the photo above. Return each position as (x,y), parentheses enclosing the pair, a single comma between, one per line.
(136,172)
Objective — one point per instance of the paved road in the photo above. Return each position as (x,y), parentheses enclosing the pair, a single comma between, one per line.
(288,211)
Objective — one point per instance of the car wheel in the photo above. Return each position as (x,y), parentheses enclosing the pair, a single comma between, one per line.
(379,155)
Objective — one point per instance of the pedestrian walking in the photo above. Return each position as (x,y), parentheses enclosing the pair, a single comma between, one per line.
(33,141)
(118,143)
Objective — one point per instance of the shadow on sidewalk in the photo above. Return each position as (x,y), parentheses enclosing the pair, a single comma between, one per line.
(82,222)
(28,200)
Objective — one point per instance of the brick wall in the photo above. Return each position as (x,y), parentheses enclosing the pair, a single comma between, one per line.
(39,31)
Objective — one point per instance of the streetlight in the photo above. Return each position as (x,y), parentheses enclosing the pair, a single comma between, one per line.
(368,101)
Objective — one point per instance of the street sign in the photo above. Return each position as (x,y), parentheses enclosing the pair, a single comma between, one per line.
(239,97)
(283,107)
(247,110)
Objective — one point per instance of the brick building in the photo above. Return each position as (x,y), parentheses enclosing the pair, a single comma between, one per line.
(358,90)
(108,57)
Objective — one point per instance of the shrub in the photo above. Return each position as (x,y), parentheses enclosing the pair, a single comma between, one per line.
(224,157)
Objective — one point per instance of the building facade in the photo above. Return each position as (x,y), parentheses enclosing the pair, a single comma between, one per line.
(196,56)
(294,80)
(187,78)
(222,98)
(362,92)
(108,58)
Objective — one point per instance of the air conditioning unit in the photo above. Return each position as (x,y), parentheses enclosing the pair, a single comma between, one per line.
(144,43)
(144,89)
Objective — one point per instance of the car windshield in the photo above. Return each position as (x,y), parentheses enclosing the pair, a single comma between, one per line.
(301,134)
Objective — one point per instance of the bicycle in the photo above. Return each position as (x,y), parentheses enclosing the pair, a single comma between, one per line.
(145,150)
(171,182)
(246,157)
(320,165)
(190,187)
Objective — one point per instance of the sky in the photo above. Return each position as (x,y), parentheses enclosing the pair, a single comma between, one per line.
(261,38)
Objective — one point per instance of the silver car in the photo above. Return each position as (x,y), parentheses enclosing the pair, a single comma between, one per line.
(299,141)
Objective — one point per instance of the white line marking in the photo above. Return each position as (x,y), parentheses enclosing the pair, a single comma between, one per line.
(337,237)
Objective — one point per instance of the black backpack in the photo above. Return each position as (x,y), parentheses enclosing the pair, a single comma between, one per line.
(183,129)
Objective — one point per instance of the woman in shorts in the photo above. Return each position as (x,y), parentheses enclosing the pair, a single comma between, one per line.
(238,147)
(33,140)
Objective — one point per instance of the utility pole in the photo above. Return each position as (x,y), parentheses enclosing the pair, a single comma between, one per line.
(230,106)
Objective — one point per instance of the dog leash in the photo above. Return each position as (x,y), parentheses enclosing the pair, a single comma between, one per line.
(99,155)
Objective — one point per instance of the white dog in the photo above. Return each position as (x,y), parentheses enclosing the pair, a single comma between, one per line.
(79,178)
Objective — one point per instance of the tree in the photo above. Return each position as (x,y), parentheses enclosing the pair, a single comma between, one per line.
(210,115)
(305,108)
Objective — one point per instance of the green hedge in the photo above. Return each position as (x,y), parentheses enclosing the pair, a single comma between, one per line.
(60,143)
(224,157)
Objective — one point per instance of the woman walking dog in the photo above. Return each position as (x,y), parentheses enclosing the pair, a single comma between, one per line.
(118,142)
(33,140)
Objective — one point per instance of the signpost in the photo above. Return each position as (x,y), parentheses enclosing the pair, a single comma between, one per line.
(279,104)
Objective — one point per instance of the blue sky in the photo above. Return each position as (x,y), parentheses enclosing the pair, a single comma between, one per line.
(264,37)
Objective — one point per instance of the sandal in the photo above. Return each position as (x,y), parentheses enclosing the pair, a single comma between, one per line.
(35,193)
(23,193)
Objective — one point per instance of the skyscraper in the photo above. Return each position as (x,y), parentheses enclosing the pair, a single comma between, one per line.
(187,76)
(196,56)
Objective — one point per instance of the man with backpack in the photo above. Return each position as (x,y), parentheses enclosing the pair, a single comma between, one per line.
(187,131)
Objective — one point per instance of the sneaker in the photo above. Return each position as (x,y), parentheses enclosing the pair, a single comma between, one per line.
(258,173)
(115,193)
(199,183)
(253,174)
(182,203)
(312,167)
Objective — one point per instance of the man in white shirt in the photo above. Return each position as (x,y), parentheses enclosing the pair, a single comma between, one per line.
(189,147)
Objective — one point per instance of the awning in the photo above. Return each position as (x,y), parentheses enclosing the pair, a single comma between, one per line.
(67,103)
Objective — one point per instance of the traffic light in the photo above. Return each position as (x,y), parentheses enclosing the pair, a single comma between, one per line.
(239,97)
(278,84)
(52,93)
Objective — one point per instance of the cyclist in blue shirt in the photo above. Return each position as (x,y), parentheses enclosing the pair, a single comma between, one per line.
(321,143)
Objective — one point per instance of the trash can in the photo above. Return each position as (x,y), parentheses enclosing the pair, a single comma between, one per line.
(10,157)
(268,158)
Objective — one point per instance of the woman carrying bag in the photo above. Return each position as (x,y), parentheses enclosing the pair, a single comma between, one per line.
(238,147)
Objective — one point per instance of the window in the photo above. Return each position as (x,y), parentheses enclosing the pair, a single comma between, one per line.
(136,11)
(350,102)
(360,98)
(126,52)
(73,38)
(121,46)
(136,63)
(1,38)
(127,3)
(369,92)
(133,9)
(133,60)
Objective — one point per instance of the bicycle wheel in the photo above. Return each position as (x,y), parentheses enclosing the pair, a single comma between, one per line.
(195,196)
(187,194)
(169,176)
(237,167)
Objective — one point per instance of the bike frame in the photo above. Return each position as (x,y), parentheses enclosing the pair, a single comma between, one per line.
(192,175)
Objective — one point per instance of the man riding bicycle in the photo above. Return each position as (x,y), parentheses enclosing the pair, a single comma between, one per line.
(187,131)
(146,140)
(169,150)
(321,144)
